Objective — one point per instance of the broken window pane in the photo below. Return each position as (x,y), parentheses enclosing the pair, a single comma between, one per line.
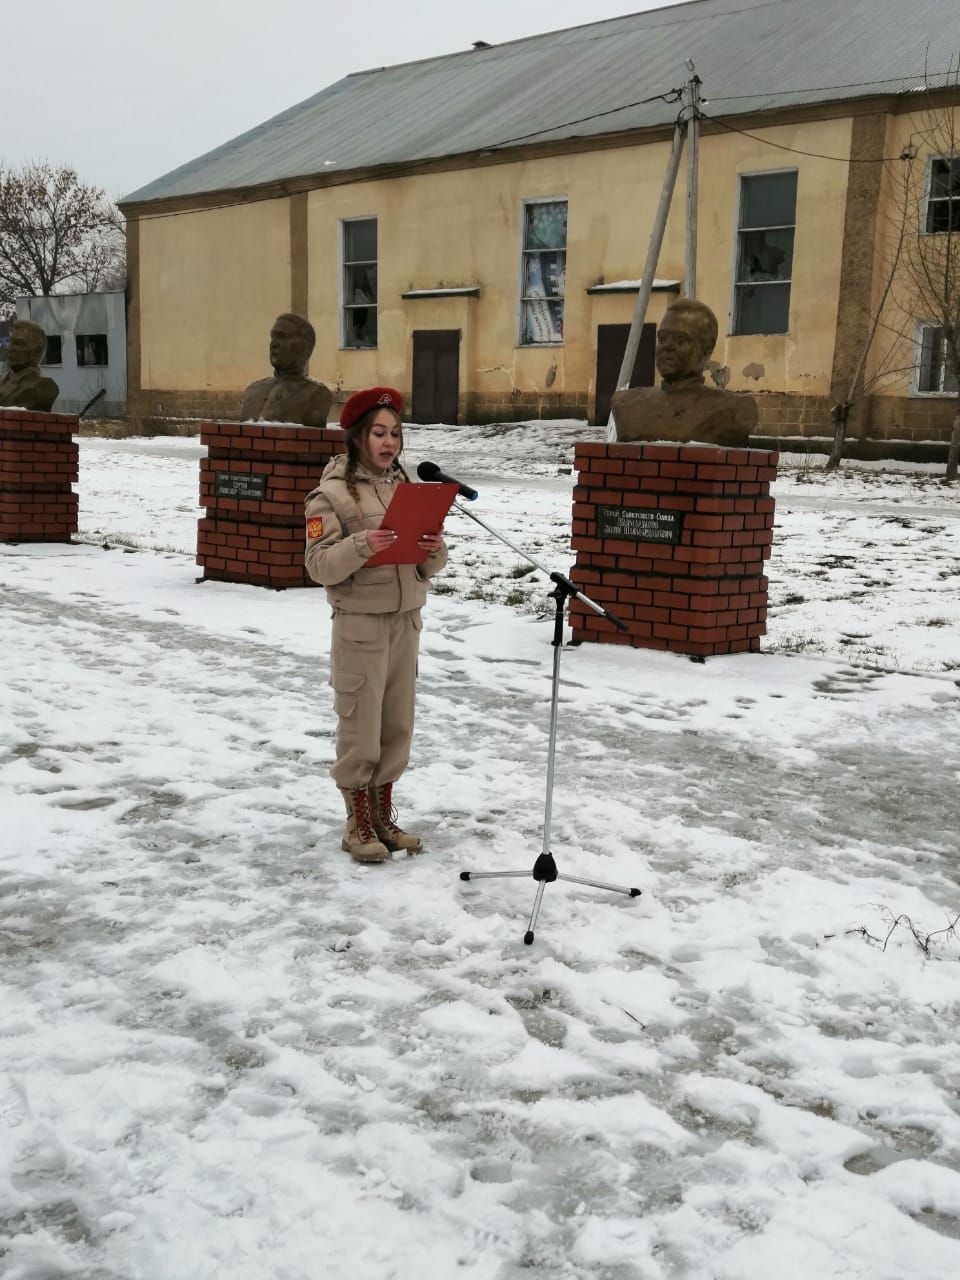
(360,282)
(768,203)
(766,255)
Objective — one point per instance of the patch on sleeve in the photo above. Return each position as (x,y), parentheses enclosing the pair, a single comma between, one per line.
(315,527)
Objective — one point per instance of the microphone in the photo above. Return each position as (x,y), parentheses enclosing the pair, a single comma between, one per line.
(430,471)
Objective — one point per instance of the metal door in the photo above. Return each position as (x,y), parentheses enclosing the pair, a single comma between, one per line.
(611,344)
(436,375)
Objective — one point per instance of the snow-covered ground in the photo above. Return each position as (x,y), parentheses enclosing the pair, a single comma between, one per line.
(228,1051)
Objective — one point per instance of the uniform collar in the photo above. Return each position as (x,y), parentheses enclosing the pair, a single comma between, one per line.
(380,477)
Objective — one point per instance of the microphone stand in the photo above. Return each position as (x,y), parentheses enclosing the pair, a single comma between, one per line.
(545,867)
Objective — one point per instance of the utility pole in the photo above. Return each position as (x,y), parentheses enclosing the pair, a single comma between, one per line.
(689,115)
(692,107)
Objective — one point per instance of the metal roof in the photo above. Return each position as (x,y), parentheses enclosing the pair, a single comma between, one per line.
(750,56)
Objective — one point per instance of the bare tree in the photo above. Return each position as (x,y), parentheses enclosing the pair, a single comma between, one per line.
(931,262)
(861,385)
(920,278)
(56,234)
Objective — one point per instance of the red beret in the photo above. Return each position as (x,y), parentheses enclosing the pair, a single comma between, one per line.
(362,402)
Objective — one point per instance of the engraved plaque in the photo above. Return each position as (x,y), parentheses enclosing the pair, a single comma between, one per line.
(639,524)
(241,484)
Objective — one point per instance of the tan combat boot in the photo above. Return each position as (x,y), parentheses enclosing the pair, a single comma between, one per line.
(360,835)
(385,820)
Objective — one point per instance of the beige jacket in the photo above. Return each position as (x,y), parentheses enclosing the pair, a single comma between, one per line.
(337,550)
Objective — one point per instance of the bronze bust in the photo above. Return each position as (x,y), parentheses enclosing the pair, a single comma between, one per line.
(24,386)
(289,396)
(682,408)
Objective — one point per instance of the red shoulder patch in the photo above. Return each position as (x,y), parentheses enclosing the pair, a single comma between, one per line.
(315,527)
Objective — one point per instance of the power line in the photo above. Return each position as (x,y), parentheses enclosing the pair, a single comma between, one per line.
(815,155)
(853,84)
(672,95)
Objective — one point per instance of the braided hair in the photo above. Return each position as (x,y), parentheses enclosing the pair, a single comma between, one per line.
(357,436)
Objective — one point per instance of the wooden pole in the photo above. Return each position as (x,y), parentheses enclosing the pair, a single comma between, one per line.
(650,266)
(692,104)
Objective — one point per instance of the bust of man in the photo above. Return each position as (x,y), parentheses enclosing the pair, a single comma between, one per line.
(23,385)
(682,408)
(289,396)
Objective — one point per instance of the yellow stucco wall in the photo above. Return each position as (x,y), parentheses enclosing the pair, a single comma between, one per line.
(893,352)
(211,284)
(465,227)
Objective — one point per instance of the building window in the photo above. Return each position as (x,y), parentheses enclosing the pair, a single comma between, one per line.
(943,202)
(53,352)
(934,374)
(360,282)
(768,213)
(544,271)
(91,349)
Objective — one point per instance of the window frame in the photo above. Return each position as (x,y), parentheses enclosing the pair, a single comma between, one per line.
(91,337)
(943,393)
(930,198)
(736,284)
(52,364)
(522,298)
(344,305)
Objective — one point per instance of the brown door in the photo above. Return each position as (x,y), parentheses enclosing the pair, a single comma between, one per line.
(436,375)
(611,344)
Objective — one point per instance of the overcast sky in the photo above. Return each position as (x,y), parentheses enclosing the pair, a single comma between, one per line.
(125,91)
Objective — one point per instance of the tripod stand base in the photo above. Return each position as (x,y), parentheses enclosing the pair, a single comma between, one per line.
(545,872)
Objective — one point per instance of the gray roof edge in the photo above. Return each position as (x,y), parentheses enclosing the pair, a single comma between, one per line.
(286,152)
(574,140)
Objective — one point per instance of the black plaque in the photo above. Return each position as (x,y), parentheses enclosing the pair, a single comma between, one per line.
(640,524)
(241,484)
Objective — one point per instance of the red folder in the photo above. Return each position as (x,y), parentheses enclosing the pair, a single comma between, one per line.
(415,509)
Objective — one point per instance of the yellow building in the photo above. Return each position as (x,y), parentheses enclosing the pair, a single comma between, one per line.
(471,228)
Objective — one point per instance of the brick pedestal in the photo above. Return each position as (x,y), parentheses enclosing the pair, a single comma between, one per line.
(253,483)
(39,462)
(702,594)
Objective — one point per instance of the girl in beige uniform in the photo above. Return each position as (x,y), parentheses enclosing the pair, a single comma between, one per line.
(376,619)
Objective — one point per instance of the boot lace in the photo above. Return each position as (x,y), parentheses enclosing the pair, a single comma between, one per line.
(366,829)
(386,813)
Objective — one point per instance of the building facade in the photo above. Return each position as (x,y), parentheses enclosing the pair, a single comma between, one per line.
(86,349)
(492,275)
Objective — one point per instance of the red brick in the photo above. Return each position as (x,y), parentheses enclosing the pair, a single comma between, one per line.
(699,453)
(635,595)
(708,539)
(671,599)
(660,452)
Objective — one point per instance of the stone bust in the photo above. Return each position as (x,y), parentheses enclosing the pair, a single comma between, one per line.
(24,386)
(683,408)
(289,396)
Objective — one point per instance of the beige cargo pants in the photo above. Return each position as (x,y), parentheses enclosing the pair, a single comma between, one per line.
(373,670)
